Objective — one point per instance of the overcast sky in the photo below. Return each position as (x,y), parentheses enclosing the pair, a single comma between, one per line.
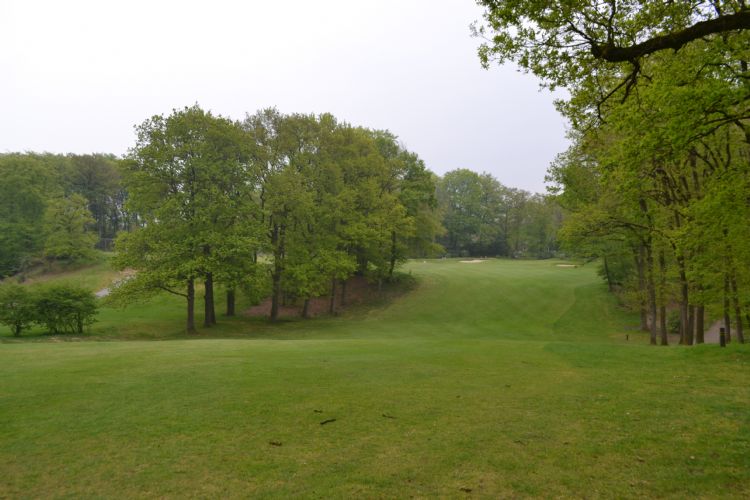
(78,75)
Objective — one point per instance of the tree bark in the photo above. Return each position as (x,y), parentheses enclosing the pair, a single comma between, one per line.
(684,299)
(691,324)
(726,308)
(191,306)
(662,305)
(651,292)
(209,316)
(278,269)
(640,262)
(671,41)
(663,325)
(230,302)
(737,311)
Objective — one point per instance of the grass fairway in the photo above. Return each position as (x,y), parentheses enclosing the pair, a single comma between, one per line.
(497,379)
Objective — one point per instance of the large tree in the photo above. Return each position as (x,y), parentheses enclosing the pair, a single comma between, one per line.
(191,177)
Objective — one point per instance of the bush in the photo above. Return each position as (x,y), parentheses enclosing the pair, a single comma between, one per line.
(16,308)
(65,308)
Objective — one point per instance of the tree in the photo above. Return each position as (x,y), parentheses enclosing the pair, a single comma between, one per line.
(26,184)
(66,223)
(460,196)
(580,41)
(17,308)
(97,178)
(191,178)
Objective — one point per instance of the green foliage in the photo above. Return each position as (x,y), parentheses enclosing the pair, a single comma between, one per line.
(97,178)
(26,183)
(17,308)
(47,200)
(66,224)
(64,308)
(483,217)
(658,169)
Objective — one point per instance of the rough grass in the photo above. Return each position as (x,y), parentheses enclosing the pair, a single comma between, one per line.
(500,379)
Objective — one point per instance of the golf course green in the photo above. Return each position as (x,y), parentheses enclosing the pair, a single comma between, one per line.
(493,379)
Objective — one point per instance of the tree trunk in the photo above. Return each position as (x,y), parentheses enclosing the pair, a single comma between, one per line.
(663,325)
(306,308)
(393,254)
(209,317)
(343,293)
(662,300)
(230,302)
(278,269)
(332,306)
(726,309)
(190,306)
(640,262)
(737,311)
(699,324)
(651,292)
(685,338)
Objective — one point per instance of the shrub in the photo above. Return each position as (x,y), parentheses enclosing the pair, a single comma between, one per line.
(65,308)
(16,307)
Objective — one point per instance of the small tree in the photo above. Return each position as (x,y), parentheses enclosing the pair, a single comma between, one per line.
(16,308)
(65,308)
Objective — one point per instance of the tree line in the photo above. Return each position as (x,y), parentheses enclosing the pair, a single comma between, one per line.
(57,207)
(482,217)
(304,199)
(657,179)
(286,206)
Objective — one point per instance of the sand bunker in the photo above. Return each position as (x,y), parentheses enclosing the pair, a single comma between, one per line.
(475,261)
(566,265)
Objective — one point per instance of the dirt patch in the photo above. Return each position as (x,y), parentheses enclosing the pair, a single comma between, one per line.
(123,275)
(475,261)
(356,291)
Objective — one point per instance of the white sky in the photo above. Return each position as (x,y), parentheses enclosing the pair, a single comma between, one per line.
(77,75)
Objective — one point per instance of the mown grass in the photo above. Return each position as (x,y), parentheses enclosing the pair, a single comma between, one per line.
(500,379)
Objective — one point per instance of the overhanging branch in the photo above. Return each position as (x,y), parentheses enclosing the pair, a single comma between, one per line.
(612,53)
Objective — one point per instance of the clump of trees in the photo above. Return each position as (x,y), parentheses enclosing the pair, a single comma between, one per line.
(58,308)
(305,198)
(483,217)
(57,208)
(657,180)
